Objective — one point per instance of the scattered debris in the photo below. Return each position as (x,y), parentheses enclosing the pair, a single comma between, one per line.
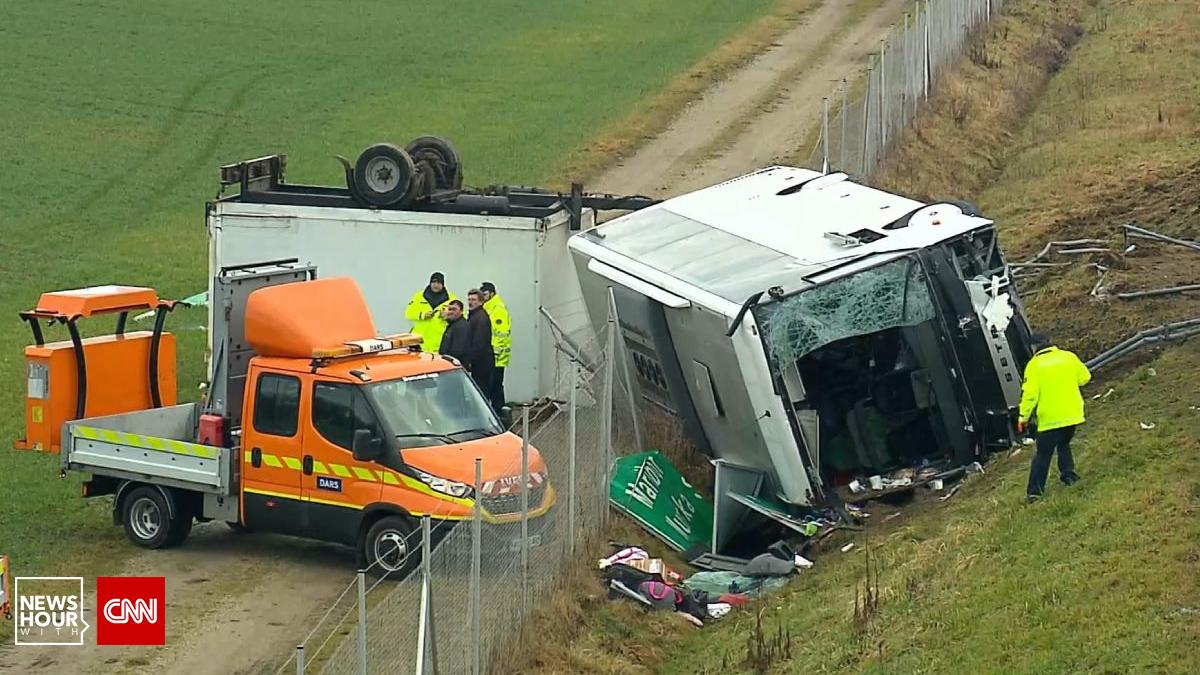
(1147,426)
(1106,394)
(1015,452)
(847,547)
(936,484)
(1170,332)
(1135,232)
(1152,372)
(1159,291)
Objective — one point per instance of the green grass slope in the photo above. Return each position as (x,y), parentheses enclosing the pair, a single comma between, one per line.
(114,116)
(1053,126)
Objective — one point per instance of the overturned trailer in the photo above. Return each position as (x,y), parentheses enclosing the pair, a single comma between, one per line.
(805,329)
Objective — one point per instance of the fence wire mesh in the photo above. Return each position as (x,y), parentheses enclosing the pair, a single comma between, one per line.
(598,416)
(865,119)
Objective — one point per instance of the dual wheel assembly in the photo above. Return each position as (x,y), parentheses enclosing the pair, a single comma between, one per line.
(388,175)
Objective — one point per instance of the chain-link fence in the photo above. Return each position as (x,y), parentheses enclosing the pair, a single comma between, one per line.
(860,121)
(480,577)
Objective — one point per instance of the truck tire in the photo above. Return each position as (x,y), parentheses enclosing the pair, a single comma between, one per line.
(439,154)
(384,174)
(181,527)
(391,548)
(147,518)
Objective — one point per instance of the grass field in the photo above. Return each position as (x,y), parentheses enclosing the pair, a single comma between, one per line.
(114,116)
(1059,136)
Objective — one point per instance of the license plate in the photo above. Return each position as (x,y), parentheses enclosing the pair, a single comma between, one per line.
(534,540)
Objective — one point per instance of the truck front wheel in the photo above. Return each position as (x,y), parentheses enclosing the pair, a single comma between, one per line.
(392,548)
(147,519)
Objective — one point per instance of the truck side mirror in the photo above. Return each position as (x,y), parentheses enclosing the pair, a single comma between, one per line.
(506,417)
(365,446)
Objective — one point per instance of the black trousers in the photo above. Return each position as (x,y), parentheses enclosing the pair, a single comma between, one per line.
(496,394)
(1049,442)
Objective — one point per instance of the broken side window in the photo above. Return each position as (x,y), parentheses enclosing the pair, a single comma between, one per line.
(891,295)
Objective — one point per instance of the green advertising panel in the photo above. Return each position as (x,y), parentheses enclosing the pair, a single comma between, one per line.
(649,489)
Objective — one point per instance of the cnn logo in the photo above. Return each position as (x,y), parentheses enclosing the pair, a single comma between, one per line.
(131,611)
(124,610)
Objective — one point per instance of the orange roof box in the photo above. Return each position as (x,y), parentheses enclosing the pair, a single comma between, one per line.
(292,320)
(84,302)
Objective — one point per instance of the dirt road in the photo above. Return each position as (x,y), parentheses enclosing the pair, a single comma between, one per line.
(763,111)
(240,604)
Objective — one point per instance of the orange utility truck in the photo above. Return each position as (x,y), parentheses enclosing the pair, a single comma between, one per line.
(312,426)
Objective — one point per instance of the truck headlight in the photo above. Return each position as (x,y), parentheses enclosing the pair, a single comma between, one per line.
(443,485)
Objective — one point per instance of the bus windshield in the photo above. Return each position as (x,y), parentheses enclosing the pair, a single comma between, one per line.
(433,408)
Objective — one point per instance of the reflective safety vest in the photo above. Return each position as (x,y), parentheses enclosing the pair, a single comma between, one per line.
(432,328)
(501,330)
(1052,381)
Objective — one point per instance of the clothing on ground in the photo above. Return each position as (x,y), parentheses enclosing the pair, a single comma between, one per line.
(1051,389)
(426,316)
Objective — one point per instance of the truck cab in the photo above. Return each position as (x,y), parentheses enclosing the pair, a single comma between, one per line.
(329,452)
(312,426)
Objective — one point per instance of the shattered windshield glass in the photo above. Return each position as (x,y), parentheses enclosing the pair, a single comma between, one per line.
(888,296)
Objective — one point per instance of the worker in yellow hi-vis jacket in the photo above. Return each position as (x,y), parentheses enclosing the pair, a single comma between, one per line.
(497,313)
(425,310)
(1051,390)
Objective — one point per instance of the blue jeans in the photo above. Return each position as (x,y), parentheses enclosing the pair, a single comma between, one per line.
(1048,442)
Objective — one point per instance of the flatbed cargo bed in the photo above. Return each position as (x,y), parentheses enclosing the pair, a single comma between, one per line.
(118,446)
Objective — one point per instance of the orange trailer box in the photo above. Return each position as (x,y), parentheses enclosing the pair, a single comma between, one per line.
(116,368)
(116,382)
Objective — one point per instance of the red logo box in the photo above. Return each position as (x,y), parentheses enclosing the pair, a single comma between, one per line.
(131,610)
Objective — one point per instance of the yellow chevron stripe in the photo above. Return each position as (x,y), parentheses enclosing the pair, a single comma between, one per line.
(272,461)
(168,445)
(293,463)
(319,467)
(249,456)
(339,470)
(363,474)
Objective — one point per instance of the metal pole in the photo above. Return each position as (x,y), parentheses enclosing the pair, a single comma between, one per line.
(824,136)
(362,623)
(572,496)
(525,509)
(883,102)
(925,66)
(611,350)
(476,572)
(426,640)
(299,659)
(844,113)
(866,149)
(907,89)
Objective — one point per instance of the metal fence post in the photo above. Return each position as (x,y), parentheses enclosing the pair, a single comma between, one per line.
(362,622)
(845,113)
(925,66)
(571,431)
(426,640)
(476,573)
(825,134)
(525,509)
(609,388)
(866,148)
(883,102)
(299,659)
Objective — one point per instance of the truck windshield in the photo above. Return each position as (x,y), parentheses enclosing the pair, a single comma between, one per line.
(433,408)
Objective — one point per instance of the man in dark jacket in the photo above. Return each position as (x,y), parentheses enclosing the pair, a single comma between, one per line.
(482,360)
(456,341)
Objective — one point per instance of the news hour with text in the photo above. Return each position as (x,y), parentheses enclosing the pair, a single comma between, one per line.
(50,611)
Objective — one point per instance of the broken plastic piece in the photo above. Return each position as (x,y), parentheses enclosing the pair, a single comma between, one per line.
(1147,426)
(803,562)
(847,547)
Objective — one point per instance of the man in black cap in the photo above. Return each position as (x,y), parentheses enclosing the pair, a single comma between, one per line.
(425,311)
(501,339)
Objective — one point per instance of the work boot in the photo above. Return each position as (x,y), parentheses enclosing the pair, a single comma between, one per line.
(1070,480)
(1029,499)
